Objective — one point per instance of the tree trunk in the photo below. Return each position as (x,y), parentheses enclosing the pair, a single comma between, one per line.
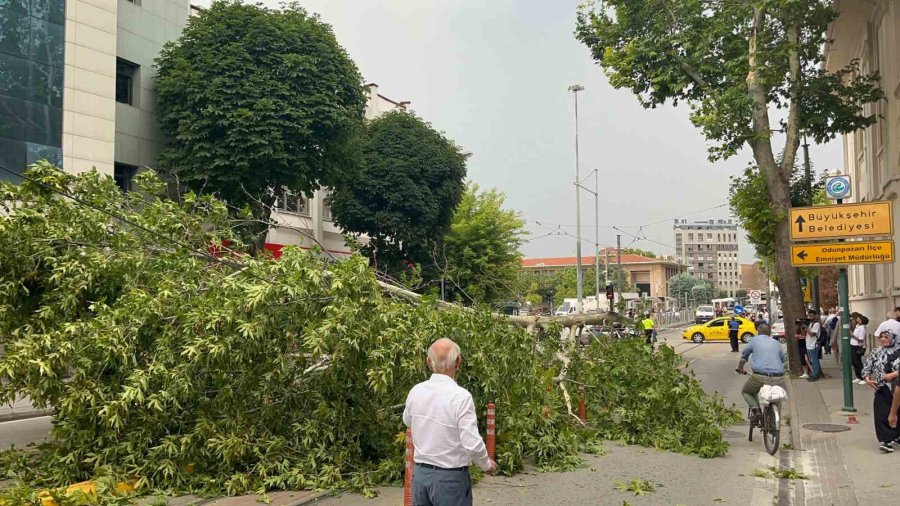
(778,186)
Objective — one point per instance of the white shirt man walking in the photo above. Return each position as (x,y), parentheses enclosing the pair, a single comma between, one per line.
(442,417)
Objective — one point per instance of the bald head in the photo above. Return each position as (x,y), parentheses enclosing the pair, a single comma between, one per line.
(444,357)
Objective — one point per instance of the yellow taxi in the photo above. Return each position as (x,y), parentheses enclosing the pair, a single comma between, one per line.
(717,330)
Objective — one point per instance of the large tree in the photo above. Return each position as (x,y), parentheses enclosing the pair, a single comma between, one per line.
(253,99)
(481,256)
(406,193)
(733,62)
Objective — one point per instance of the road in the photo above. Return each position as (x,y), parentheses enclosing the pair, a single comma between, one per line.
(683,479)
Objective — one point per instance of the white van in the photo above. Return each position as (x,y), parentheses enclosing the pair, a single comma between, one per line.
(704,314)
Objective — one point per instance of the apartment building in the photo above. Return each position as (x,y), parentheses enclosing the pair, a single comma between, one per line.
(870,32)
(710,250)
(76,85)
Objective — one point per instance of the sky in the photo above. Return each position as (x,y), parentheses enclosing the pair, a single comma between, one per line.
(493,76)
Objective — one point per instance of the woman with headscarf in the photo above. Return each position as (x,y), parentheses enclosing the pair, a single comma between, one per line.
(879,372)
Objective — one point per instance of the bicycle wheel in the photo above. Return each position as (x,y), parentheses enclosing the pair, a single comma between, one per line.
(750,437)
(772,430)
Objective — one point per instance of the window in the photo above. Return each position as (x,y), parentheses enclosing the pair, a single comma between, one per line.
(124,176)
(126,72)
(716,323)
(135,2)
(326,208)
(690,237)
(293,202)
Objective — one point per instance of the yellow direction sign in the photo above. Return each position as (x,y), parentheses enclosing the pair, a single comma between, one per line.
(869,219)
(842,253)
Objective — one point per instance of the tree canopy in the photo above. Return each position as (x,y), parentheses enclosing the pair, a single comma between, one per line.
(733,63)
(637,251)
(254,99)
(481,256)
(406,193)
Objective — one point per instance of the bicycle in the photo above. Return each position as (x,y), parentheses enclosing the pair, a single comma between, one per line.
(768,420)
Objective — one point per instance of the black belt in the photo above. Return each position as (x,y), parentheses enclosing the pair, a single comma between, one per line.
(429,466)
(770,374)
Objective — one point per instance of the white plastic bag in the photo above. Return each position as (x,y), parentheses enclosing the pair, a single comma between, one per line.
(771,393)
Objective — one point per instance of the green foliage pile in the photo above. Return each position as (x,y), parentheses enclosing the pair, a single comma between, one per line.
(644,398)
(187,373)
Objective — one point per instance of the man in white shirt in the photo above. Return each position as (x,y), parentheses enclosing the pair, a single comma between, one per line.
(445,434)
(812,344)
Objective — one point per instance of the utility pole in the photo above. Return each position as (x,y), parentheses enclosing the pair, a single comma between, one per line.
(575,88)
(619,264)
(844,303)
(597,235)
(814,282)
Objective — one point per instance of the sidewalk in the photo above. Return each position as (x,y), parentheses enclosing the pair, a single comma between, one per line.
(21,410)
(845,468)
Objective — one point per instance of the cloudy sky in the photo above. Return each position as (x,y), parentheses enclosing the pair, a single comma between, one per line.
(493,75)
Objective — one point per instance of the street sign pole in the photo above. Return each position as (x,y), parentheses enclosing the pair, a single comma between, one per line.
(844,303)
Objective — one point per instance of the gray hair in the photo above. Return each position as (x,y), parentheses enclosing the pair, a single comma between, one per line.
(443,360)
(763,329)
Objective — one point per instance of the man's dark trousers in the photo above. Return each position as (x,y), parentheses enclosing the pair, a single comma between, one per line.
(434,486)
(732,336)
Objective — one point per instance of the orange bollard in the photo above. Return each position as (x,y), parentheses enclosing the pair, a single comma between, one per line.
(492,431)
(408,474)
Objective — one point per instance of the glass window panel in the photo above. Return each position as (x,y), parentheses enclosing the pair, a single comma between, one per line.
(14,75)
(16,5)
(13,118)
(37,152)
(47,42)
(15,33)
(44,124)
(52,10)
(12,157)
(46,84)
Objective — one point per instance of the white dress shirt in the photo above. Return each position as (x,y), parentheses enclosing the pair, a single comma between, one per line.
(444,427)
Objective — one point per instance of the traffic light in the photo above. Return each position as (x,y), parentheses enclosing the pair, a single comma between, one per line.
(610,294)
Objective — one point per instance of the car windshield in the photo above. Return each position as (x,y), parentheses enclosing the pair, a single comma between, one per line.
(705,309)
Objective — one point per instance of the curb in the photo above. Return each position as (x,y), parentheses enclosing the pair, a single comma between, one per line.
(25,415)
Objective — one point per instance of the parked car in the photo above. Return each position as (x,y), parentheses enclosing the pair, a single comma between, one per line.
(704,314)
(778,329)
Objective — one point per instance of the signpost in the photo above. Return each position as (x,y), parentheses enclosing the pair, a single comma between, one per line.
(869,219)
(842,221)
(755,297)
(842,253)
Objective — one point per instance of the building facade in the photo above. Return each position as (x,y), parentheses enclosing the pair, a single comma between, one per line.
(710,250)
(76,82)
(649,275)
(307,222)
(870,32)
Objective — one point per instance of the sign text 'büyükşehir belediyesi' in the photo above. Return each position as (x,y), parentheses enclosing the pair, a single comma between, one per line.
(869,219)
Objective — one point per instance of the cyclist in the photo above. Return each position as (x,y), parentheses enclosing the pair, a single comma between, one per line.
(767,361)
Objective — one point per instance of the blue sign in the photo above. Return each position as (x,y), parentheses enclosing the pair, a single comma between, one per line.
(837,187)
(739,310)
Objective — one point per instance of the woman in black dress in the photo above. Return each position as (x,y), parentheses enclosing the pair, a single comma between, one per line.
(879,372)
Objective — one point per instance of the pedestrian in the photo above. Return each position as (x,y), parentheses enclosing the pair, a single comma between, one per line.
(891,323)
(828,325)
(649,326)
(812,344)
(801,347)
(879,372)
(836,329)
(445,434)
(734,327)
(857,347)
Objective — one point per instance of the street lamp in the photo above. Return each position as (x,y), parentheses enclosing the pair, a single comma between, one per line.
(596,193)
(575,88)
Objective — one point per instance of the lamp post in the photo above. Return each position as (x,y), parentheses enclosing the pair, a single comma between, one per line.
(575,88)
(596,193)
